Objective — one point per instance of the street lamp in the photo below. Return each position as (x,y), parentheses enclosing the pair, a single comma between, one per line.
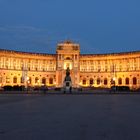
(38,81)
(27,82)
(114,80)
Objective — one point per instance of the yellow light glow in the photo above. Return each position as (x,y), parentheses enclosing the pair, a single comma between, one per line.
(67,64)
(114,78)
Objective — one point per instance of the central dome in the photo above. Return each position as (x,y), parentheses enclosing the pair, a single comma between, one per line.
(68,42)
(68,45)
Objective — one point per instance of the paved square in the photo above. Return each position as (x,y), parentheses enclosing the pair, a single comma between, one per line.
(69,117)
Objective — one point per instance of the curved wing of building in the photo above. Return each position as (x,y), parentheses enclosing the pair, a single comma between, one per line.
(98,70)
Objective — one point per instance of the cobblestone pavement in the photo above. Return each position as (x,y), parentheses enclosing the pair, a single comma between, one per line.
(69,117)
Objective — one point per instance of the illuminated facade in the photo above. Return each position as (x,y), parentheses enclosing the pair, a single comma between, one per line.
(98,70)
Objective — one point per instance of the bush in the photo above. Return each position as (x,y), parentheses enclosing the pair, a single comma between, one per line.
(57,89)
(7,88)
(36,88)
(16,88)
(120,88)
(22,88)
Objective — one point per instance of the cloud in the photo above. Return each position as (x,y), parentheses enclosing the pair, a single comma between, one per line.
(20,28)
(30,38)
(27,38)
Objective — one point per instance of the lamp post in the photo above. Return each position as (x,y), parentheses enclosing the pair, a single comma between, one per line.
(26,82)
(38,82)
(114,81)
(113,74)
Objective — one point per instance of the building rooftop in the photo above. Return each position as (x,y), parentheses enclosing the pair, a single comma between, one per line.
(112,54)
(22,52)
(47,54)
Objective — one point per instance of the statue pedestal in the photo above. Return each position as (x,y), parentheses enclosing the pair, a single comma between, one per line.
(67,87)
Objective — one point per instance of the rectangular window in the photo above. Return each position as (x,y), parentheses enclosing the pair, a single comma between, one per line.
(7,79)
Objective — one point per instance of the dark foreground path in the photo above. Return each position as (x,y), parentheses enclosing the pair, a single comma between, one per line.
(69,117)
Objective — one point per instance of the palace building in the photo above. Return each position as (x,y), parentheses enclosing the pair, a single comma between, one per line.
(98,70)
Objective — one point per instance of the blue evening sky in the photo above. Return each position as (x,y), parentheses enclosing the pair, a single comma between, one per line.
(99,26)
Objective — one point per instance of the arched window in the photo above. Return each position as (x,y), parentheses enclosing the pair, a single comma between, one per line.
(51,81)
(134,80)
(105,81)
(127,81)
(75,57)
(36,80)
(98,81)
(67,58)
(84,81)
(14,79)
(91,81)
(44,81)
(120,81)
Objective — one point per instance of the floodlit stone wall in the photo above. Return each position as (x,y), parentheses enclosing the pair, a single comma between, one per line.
(88,70)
